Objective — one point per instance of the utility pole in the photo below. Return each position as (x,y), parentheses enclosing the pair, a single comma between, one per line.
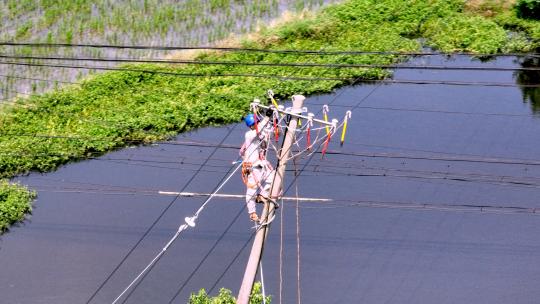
(269,210)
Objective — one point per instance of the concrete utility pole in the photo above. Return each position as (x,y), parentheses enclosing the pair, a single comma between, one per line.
(268,211)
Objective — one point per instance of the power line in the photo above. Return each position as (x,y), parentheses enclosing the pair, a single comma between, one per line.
(208,253)
(450,157)
(275,64)
(503,180)
(354,171)
(459,207)
(16,92)
(185,75)
(446,176)
(13,104)
(440,111)
(149,267)
(231,262)
(280,77)
(38,79)
(239,49)
(296,176)
(318,168)
(428,110)
(337,203)
(454,83)
(493,160)
(155,222)
(320,104)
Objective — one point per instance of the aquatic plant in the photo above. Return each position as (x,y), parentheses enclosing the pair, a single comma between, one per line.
(14,203)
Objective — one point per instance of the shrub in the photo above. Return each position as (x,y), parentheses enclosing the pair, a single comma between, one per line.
(225,297)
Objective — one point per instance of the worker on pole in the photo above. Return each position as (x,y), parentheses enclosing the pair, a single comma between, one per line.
(257,172)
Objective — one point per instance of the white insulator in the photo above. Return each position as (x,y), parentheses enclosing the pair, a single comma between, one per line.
(325,108)
(190,221)
(310,118)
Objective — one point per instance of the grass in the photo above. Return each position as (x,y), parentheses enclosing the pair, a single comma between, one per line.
(112,110)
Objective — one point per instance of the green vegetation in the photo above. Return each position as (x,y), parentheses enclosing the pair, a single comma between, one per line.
(115,109)
(14,203)
(521,34)
(225,297)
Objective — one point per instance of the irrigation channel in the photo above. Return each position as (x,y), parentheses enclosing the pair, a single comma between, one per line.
(436,201)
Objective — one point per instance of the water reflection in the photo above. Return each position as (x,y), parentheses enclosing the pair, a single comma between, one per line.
(531,95)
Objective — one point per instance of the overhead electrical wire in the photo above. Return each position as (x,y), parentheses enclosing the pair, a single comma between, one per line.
(16,92)
(155,222)
(13,104)
(185,283)
(208,253)
(445,156)
(235,75)
(274,76)
(433,175)
(531,115)
(274,64)
(432,111)
(239,49)
(263,240)
(38,79)
(286,189)
(182,227)
(366,171)
(185,75)
(379,172)
(311,157)
(203,76)
(352,169)
(244,246)
(453,207)
(339,203)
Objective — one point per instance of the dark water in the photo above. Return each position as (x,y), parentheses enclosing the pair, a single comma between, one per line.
(467,155)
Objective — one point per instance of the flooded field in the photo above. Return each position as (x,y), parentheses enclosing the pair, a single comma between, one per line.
(435,201)
(134,22)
